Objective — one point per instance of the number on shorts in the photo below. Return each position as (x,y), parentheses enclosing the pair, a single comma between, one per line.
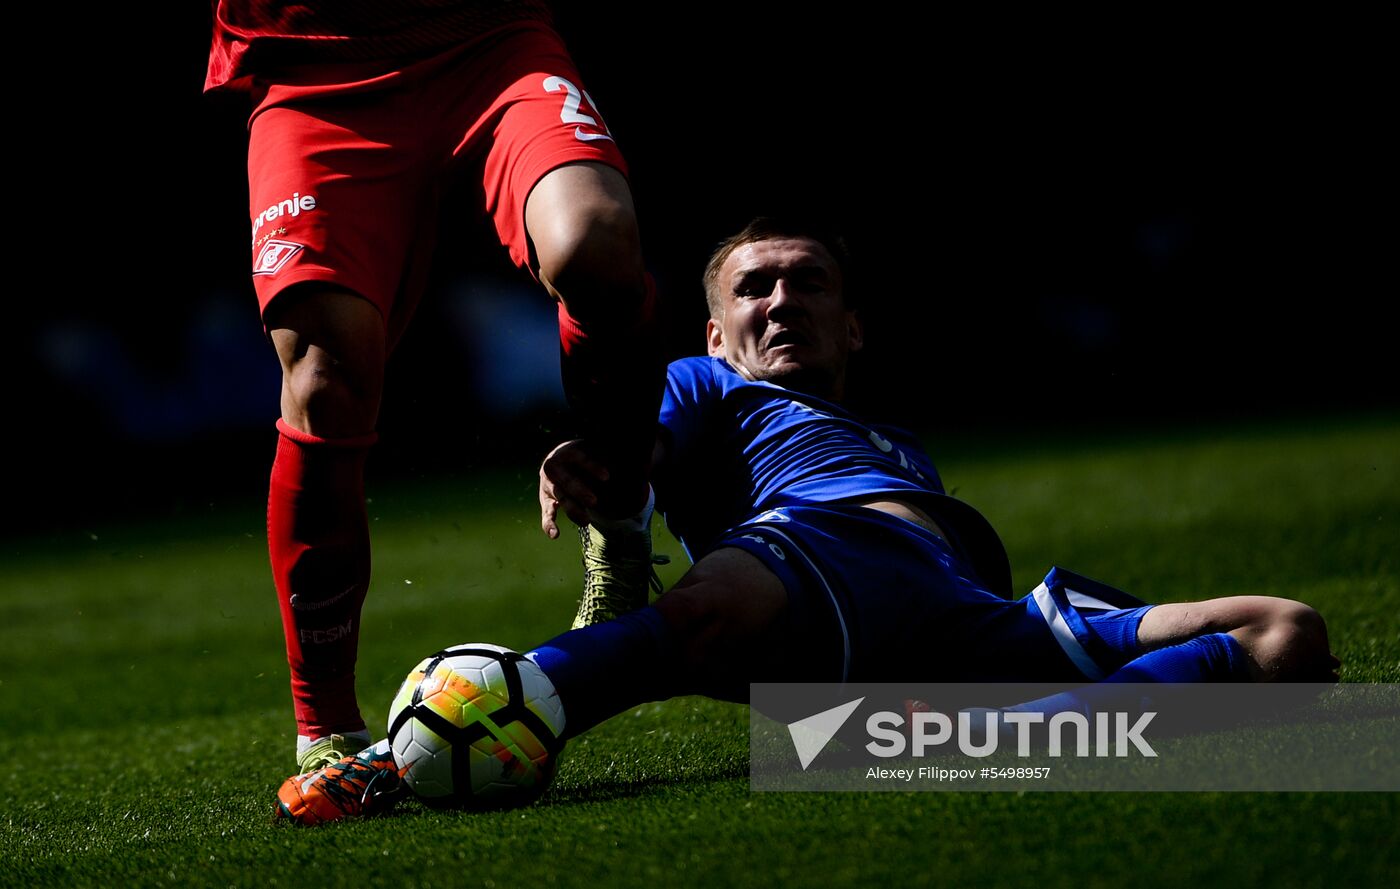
(573,101)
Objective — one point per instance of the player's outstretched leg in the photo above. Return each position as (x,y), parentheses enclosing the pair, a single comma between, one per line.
(1280,640)
(331,346)
(709,634)
(703,636)
(1234,639)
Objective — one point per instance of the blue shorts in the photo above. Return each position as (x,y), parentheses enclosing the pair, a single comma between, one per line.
(876,598)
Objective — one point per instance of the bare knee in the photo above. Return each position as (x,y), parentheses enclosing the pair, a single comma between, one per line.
(324,397)
(583,227)
(694,614)
(723,614)
(1285,640)
(332,349)
(1288,643)
(710,625)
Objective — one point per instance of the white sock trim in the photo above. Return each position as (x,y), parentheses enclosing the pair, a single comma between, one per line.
(641,521)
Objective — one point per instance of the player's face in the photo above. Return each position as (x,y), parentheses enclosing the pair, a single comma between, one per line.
(784,318)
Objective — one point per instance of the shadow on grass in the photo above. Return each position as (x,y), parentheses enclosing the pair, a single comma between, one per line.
(592,793)
(608,789)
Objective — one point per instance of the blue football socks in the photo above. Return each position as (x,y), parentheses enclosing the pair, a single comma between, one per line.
(1216,657)
(607,668)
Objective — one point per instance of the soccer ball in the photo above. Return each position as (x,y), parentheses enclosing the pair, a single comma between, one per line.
(476,726)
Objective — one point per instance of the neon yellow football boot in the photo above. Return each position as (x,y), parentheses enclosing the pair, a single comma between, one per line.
(617,566)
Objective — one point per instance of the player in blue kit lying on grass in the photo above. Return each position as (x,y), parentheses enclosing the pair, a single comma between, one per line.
(826,550)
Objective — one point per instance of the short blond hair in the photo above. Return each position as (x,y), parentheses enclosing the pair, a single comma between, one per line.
(768,228)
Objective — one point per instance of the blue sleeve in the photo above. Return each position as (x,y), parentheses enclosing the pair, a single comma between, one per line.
(690,387)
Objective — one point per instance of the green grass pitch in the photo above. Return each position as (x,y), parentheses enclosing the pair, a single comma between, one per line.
(143,692)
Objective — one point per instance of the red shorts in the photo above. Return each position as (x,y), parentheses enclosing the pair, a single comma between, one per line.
(347,163)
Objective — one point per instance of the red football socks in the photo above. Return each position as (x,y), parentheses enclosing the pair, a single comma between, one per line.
(318,540)
(614,371)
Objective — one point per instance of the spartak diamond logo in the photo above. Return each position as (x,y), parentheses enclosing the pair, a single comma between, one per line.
(275,254)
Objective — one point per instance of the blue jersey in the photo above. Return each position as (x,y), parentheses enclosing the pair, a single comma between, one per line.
(738,448)
(871,596)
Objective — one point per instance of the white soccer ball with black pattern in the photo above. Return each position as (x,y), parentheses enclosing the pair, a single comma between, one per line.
(476,726)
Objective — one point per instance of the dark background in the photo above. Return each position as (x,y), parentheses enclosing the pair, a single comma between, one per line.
(1059,224)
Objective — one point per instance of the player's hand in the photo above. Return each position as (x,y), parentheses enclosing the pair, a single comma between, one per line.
(569,480)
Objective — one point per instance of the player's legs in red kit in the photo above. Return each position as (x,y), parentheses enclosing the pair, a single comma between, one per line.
(333,344)
(338,279)
(332,347)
